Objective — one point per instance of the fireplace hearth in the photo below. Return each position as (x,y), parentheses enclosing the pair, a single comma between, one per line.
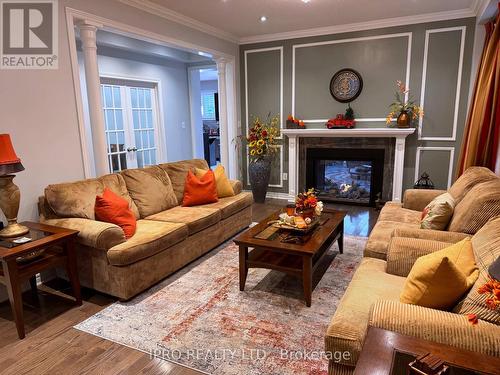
(350,176)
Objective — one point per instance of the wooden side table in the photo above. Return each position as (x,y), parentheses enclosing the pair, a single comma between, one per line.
(15,271)
(384,351)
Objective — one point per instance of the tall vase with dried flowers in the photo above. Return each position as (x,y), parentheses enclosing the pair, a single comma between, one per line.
(262,147)
(403,108)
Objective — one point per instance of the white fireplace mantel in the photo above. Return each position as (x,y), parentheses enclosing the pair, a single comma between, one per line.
(399,156)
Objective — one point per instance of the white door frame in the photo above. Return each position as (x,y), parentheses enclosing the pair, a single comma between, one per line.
(75,15)
(193,105)
(160,131)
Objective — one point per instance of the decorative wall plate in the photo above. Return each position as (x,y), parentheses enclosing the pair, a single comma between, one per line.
(346,85)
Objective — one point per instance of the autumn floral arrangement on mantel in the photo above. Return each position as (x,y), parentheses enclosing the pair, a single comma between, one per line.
(403,108)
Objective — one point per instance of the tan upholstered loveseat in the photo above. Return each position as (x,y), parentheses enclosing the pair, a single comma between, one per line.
(477,199)
(168,235)
(372,297)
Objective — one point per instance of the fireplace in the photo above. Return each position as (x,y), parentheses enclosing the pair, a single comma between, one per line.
(350,176)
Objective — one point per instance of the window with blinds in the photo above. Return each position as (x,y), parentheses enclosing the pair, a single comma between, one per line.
(208,105)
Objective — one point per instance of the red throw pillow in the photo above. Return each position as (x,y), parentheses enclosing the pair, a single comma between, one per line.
(200,190)
(424,213)
(112,208)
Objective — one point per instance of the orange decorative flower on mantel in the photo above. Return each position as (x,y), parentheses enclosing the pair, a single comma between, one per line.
(295,121)
(403,103)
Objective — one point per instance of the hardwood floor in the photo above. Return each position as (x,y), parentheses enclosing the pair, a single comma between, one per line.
(53,346)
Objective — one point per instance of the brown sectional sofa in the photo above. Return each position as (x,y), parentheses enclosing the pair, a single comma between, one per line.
(372,297)
(168,235)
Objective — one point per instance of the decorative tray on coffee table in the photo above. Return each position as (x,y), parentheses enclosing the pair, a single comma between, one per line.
(314,223)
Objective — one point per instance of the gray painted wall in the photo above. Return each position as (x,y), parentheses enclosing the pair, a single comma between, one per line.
(381,57)
(379,61)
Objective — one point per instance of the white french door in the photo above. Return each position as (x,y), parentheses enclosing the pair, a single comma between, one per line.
(131,120)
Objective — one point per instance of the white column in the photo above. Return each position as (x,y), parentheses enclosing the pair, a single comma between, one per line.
(99,144)
(232,121)
(223,123)
(399,161)
(293,167)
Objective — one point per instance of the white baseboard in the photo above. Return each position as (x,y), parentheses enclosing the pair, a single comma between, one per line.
(275,195)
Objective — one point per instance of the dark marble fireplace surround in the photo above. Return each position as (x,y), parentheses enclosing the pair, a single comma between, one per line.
(361,143)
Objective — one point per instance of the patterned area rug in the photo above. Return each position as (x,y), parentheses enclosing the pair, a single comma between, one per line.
(198,317)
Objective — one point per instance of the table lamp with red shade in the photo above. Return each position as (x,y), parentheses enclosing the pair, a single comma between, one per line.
(9,192)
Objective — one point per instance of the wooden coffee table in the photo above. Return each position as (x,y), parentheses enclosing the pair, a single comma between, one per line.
(387,352)
(299,260)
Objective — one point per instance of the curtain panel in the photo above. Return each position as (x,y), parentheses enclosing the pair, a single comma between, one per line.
(482,131)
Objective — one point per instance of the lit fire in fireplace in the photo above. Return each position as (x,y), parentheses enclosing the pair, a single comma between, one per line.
(344,188)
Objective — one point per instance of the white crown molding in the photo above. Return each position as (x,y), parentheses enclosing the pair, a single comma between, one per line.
(477,8)
(370,25)
(171,15)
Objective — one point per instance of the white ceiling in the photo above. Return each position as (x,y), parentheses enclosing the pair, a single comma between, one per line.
(109,42)
(241,18)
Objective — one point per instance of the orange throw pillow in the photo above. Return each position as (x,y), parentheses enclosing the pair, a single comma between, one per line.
(111,208)
(200,190)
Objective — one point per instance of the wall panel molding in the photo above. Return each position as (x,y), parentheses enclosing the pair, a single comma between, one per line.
(247,120)
(408,35)
(247,52)
(399,53)
(428,33)
(451,150)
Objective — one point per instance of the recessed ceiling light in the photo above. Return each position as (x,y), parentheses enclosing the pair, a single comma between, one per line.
(263,19)
(306,1)
(204,54)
